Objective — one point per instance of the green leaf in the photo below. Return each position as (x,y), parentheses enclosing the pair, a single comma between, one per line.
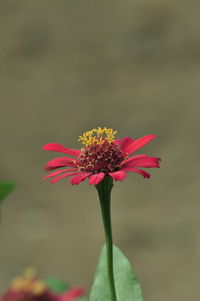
(126,283)
(56,285)
(5,188)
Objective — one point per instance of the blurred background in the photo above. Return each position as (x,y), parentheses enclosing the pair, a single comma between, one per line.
(67,67)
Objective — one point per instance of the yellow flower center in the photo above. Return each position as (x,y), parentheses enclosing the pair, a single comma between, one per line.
(97,136)
(28,283)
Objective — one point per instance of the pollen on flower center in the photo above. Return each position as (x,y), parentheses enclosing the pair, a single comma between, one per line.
(98,136)
(100,153)
(28,283)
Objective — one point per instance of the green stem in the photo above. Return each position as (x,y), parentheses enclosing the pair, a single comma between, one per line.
(104,190)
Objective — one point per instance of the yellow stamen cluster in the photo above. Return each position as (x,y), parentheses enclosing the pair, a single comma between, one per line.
(97,136)
(28,283)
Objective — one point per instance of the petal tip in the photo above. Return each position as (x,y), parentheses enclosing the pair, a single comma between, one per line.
(46,146)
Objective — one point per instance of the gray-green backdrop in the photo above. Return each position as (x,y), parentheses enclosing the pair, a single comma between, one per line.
(66,67)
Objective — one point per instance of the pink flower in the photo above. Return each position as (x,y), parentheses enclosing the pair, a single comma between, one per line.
(102,155)
(29,287)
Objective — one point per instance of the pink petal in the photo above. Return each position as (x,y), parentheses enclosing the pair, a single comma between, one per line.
(72,294)
(79,177)
(59,162)
(117,141)
(55,173)
(118,175)
(141,161)
(96,178)
(65,175)
(141,172)
(55,147)
(137,144)
(125,162)
(126,141)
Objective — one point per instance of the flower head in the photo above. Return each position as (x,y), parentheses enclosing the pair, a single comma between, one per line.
(29,287)
(101,155)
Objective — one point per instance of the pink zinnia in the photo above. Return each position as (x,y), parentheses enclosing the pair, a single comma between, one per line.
(29,287)
(102,155)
